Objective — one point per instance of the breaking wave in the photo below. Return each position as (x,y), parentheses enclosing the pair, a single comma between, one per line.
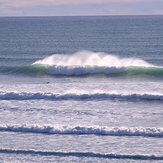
(81,154)
(78,130)
(85,63)
(72,96)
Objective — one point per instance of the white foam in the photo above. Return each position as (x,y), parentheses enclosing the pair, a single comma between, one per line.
(96,130)
(83,70)
(76,96)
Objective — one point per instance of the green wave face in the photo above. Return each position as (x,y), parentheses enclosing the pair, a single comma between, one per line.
(26,70)
(145,71)
(40,69)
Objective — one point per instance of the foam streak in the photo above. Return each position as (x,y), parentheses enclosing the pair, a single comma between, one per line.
(82,154)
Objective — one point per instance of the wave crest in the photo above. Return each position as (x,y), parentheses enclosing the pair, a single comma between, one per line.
(92,130)
(73,96)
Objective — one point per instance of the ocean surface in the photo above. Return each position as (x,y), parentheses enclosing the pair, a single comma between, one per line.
(81,89)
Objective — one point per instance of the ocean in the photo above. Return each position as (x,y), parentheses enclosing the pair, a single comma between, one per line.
(81,89)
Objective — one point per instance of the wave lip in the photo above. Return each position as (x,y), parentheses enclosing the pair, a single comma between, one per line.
(82,154)
(80,130)
(72,96)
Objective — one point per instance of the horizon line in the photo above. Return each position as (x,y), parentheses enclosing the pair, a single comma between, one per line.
(83,15)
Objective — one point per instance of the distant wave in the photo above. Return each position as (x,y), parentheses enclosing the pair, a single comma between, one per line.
(72,96)
(85,63)
(95,130)
(81,154)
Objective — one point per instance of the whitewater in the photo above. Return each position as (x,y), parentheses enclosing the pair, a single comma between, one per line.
(81,89)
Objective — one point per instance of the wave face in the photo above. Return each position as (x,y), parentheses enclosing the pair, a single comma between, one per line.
(29,69)
(93,130)
(69,96)
(82,154)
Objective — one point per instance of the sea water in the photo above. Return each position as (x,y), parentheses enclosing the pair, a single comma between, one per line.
(81,89)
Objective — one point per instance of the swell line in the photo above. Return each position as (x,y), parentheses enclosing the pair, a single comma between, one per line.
(85,130)
(82,154)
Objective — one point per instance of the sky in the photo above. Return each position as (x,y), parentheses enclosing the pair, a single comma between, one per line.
(80,7)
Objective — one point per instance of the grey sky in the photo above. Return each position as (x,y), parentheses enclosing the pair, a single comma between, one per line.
(80,7)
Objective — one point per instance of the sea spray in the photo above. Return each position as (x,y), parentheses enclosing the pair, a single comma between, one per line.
(88,58)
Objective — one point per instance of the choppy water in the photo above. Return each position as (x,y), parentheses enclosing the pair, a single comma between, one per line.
(81,89)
